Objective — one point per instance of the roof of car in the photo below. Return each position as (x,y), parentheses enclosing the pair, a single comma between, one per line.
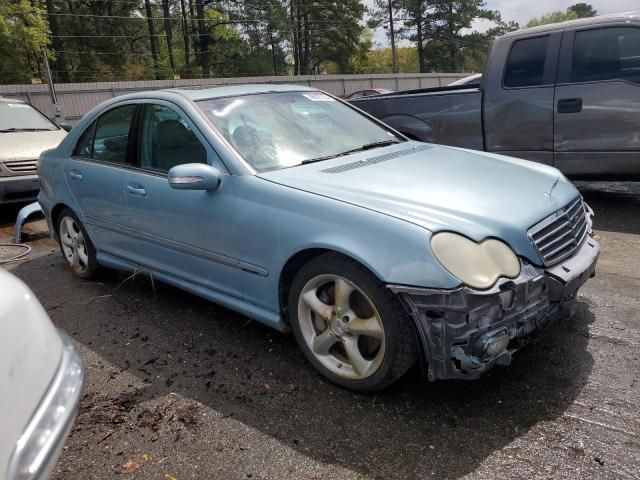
(581,22)
(10,100)
(203,93)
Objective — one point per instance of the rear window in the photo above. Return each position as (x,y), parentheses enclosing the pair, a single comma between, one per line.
(525,65)
(606,54)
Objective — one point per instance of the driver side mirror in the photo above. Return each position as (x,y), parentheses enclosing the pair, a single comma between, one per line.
(194,176)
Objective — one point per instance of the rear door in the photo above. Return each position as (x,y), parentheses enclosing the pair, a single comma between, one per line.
(95,176)
(597,115)
(518,99)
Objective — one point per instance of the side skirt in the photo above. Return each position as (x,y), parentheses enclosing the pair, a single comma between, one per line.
(267,317)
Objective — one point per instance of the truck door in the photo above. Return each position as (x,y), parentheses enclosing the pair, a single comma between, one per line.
(519,95)
(597,131)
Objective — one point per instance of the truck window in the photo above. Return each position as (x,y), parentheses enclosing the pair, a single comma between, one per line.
(606,54)
(525,65)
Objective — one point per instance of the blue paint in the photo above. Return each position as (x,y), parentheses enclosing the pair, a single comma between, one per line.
(230,245)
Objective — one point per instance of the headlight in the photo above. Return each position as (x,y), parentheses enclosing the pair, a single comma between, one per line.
(478,265)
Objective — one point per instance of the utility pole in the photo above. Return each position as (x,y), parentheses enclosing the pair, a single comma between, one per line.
(57,111)
(394,58)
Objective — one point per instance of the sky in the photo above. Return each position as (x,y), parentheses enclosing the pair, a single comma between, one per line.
(523,10)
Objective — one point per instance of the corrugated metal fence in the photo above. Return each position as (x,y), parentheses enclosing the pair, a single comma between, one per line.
(76,99)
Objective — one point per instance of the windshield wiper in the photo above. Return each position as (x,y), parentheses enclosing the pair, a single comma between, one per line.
(367,146)
(7,130)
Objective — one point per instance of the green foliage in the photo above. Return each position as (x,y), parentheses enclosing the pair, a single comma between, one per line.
(553,17)
(326,31)
(23,33)
(443,32)
(110,40)
(583,10)
(379,61)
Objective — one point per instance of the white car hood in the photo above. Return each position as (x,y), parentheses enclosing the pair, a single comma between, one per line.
(30,351)
(28,145)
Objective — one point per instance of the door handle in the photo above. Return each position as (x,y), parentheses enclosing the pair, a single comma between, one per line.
(75,175)
(569,105)
(136,189)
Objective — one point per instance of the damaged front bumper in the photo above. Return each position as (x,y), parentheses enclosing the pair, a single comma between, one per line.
(465,332)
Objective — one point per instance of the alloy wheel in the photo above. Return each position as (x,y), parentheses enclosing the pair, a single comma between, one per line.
(341,326)
(74,246)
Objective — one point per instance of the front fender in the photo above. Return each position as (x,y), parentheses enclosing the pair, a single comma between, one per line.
(278,222)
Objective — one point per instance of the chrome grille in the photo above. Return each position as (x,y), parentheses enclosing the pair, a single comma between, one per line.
(22,166)
(560,234)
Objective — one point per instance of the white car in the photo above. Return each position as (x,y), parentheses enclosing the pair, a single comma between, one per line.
(24,134)
(41,378)
(470,80)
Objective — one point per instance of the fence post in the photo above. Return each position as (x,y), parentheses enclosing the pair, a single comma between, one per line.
(52,89)
(344,87)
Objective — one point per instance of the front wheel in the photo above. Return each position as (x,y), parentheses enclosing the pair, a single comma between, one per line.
(349,325)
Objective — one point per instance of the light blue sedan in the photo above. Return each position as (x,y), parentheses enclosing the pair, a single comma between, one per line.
(296,209)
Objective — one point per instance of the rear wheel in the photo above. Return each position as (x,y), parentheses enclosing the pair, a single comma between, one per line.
(75,245)
(349,325)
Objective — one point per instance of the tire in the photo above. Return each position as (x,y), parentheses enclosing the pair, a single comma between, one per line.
(351,328)
(75,245)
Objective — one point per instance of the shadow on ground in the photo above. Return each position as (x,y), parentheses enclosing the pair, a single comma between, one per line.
(176,342)
(616,205)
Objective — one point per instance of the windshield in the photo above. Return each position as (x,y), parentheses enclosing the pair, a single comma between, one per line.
(277,130)
(22,117)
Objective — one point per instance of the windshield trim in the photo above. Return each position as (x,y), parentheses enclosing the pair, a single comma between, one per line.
(250,169)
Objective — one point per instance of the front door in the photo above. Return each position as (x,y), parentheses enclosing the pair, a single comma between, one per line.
(188,234)
(597,111)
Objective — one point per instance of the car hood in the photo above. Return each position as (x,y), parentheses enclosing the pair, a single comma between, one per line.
(476,194)
(28,145)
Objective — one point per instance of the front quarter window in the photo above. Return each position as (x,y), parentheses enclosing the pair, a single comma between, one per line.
(85,143)
(278,130)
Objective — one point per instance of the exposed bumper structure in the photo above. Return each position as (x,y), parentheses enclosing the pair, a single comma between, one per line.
(21,188)
(465,332)
(23,215)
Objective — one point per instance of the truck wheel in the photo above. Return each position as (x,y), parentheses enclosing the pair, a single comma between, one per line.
(75,245)
(350,327)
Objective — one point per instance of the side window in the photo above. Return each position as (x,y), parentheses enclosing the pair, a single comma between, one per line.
(356,95)
(167,140)
(525,65)
(606,54)
(112,135)
(85,143)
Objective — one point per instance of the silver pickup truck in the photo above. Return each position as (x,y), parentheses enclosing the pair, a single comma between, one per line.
(567,95)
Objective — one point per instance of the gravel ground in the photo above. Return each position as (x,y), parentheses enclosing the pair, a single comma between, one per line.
(180,388)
